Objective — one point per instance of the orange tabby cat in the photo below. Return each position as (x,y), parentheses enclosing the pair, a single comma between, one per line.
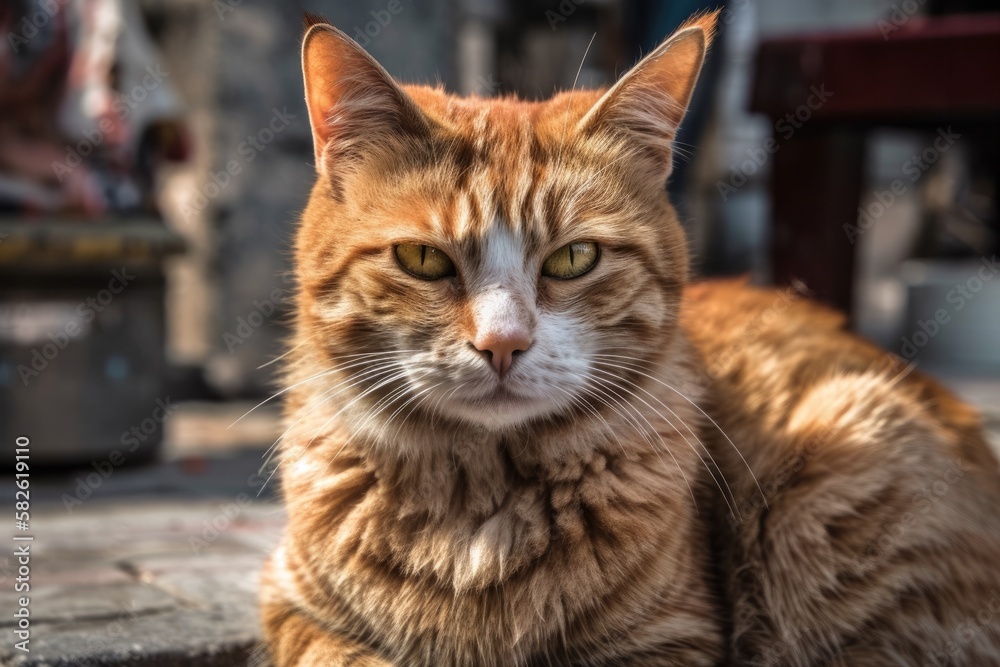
(517,438)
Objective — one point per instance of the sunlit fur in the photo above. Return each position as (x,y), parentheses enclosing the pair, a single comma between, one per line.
(612,500)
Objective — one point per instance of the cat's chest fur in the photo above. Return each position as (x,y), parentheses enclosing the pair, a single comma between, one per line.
(486,549)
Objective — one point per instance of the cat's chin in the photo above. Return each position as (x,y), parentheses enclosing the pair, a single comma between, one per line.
(500,410)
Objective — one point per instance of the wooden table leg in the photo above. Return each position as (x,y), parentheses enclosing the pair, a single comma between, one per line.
(816,190)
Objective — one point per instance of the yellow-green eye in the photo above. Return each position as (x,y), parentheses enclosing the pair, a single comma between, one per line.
(424,261)
(571,261)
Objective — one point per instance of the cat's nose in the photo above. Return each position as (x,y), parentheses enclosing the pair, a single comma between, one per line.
(500,349)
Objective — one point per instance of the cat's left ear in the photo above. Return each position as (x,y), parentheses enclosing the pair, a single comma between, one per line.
(650,100)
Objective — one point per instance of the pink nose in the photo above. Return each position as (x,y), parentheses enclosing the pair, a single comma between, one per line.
(500,348)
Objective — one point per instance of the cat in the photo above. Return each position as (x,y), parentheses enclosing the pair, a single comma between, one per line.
(517,434)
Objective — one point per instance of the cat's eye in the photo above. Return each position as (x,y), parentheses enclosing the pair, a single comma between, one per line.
(424,261)
(571,261)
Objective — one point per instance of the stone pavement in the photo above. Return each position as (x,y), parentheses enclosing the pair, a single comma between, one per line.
(157,566)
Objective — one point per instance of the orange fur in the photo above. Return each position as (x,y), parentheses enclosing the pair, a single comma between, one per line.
(667,475)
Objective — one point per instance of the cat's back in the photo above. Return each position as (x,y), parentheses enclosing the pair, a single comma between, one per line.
(860,528)
(764,350)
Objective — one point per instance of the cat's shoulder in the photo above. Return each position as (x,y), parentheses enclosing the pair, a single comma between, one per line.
(731,308)
(766,351)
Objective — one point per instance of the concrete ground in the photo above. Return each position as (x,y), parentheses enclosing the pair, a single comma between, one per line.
(157,565)
(154,565)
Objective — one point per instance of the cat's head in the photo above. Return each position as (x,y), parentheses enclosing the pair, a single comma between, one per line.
(494,261)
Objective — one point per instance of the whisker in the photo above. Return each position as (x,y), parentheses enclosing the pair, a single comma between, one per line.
(627,416)
(732,508)
(286,353)
(699,409)
(563,143)
(630,420)
(354,379)
(420,393)
(576,400)
(312,378)
(425,394)
(369,415)
(322,428)
(377,386)
(660,436)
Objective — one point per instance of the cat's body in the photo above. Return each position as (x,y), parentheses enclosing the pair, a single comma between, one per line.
(879,538)
(490,466)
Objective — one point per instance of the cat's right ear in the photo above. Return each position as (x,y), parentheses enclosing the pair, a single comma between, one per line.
(353,103)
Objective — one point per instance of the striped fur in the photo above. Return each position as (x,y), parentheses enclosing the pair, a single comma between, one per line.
(583,509)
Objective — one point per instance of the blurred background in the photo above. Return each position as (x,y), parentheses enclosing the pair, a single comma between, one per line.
(155,155)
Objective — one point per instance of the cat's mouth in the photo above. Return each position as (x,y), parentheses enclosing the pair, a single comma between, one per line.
(499,407)
(501,394)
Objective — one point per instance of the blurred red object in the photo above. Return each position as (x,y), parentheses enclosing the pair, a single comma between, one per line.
(926,73)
